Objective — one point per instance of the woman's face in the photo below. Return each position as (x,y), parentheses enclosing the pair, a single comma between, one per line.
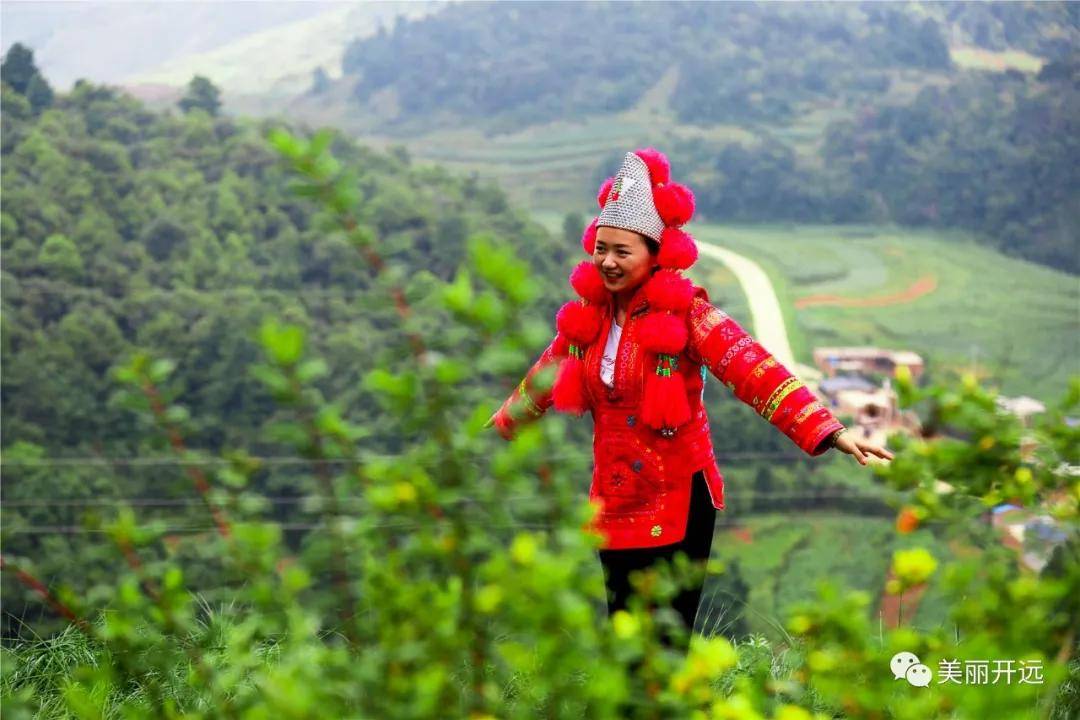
(622,257)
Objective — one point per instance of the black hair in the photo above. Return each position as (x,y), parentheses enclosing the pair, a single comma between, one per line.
(654,247)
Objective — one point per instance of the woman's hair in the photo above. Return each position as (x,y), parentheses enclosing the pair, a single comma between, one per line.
(654,247)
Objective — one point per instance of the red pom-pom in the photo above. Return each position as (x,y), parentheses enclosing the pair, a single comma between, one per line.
(568,392)
(605,188)
(662,332)
(657,162)
(588,238)
(664,404)
(579,323)
(586,281)
(675,203)
(678,250)
(668,290)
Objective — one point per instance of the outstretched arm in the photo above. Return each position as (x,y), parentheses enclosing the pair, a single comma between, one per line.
(758,379)
(529,401)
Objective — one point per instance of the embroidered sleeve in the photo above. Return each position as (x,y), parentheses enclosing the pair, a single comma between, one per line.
(532,396)
(757,379)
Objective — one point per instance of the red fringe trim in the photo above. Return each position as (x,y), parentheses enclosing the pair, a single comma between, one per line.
(665,404)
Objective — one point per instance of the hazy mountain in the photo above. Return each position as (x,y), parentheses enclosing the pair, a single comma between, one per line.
(112,41)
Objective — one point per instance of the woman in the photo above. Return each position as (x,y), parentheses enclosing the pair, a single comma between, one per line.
(634,351)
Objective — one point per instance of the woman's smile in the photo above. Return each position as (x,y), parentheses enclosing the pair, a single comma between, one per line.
(623,257)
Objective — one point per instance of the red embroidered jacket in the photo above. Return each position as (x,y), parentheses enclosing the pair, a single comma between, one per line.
(641,479)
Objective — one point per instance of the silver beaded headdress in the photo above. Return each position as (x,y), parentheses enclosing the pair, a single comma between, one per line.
(630,204)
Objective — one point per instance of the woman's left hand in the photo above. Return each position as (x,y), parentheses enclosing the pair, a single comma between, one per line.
(847,442)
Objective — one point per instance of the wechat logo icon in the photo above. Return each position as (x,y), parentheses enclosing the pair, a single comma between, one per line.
(906,665)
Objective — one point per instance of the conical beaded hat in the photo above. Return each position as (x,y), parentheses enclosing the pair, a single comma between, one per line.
(630,203)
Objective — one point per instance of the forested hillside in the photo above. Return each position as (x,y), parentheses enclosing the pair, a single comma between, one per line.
(123,229)
(845,112)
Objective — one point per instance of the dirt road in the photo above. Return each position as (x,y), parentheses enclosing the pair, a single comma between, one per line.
(768,321)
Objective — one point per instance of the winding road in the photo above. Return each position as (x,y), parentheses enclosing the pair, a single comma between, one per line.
(768,320)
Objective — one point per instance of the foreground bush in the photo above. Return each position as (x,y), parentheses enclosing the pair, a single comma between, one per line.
(414,589)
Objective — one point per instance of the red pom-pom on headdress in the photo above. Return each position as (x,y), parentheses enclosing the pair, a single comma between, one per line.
(668,290)
(678,250)
(586,281)
(588,238)
(675,203)
(657,162)
(605,188)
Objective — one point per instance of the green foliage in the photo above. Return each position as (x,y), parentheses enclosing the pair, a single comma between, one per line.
(406,583)
(20,73)
(414,588)
(60,258)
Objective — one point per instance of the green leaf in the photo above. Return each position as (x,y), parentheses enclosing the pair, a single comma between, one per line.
(285,143)
(450,371)
(285,343)
(160,369)
(311,369)
(177,414)
(458,295)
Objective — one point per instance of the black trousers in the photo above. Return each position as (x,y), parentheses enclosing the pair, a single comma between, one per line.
(618,564)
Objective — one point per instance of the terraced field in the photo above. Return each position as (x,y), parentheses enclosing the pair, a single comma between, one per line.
(984,312)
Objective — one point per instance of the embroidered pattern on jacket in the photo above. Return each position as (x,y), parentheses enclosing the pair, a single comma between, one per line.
(787,387)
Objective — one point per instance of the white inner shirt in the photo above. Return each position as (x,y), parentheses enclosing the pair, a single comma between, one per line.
(607,363)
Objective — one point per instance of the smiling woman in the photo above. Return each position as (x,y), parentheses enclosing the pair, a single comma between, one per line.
(625,260)
(634,351)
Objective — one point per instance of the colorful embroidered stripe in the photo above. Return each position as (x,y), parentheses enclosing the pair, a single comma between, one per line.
(529,402)
(787,387)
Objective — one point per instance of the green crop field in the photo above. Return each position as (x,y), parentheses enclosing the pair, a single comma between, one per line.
(1009,318)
